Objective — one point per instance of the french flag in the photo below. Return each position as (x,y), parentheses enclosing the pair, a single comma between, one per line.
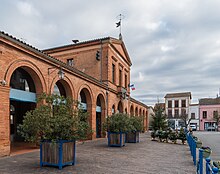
(132,87)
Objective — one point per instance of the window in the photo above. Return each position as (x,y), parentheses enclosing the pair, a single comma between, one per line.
(215,113)
(184,103)
(113,73)
(170,104)
(176,103)
(176,114)
(120,78)
(169,113)
(126,82)
(193,115)
(70,62)
(204,114)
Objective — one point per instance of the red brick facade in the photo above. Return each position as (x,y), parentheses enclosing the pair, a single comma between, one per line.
(92,76)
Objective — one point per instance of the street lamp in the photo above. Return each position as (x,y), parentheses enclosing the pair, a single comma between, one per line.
(60,73)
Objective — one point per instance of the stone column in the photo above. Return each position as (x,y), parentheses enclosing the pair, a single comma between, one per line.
(4,121)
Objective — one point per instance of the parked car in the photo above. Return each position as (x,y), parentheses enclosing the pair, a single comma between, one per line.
(211,128)
(193,127)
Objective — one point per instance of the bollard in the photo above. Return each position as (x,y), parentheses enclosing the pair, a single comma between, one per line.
(200,161)
(208,165)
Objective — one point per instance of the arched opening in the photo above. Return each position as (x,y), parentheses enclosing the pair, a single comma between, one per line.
(140,112)
(62,88)
(22,99)
(136,111)
(113,109)
(126,110)
(100,115)
(120,107)
(85,101)
(132,110)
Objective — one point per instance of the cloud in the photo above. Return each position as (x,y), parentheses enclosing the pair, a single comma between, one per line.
(174,45)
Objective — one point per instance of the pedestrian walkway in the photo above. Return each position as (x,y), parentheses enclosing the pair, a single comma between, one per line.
(95,157)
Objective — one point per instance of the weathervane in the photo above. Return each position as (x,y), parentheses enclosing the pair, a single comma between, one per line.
(118,24)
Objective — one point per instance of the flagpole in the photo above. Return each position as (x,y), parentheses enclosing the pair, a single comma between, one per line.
(119,24)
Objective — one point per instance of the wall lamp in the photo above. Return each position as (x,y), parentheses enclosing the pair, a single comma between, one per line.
(60,73)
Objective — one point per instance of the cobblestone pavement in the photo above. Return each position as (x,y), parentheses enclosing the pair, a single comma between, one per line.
(95,157)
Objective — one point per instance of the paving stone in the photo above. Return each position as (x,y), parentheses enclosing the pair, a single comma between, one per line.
(95,157)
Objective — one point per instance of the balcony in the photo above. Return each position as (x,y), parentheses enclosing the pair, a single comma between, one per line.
(122,92)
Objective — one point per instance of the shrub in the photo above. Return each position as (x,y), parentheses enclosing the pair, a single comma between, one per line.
(55,119)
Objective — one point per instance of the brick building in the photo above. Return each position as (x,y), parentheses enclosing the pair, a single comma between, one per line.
(96,73)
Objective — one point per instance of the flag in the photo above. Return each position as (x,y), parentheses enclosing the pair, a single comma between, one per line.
(131,86)
(118,24)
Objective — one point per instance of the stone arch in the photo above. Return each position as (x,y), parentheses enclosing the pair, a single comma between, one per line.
(100,114)
(32,70)
(26,83)
(136,111)
(126,110)
(140,112)
(113,109)
(132,110)
(65,83)
(120,107)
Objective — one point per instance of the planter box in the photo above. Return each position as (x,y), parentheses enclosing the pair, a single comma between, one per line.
(206,154)
(132,137)
(198,144)
(58,153)
(116,139)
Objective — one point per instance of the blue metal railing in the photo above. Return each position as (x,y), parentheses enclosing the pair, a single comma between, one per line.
(210,169)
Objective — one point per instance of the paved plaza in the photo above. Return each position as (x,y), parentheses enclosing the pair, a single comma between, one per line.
(95,157)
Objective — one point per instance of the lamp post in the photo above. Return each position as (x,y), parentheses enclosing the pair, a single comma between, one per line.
(60,73)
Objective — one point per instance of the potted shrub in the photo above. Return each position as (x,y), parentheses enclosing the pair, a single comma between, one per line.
(216,164)
(206,152)
(153,135)
(116,125)
(173,136)
(136,126)
(182,135)
(57,125)
(198,143)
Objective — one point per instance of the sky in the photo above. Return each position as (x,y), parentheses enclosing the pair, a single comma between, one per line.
(174,45)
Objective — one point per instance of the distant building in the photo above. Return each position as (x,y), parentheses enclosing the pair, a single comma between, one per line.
(176,105)
(194,115)
(208,107)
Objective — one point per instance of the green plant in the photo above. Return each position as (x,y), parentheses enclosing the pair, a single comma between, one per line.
(153,135)
(159,120)
(182,136)
(135,123)
(55,119)
(117,123)
(173,136)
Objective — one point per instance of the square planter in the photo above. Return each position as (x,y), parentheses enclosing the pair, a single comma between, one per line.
(116,139)
(206,154)
(60,153)
(133,137)
(198,144)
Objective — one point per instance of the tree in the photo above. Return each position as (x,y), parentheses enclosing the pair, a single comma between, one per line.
(216,117)
(185,119)
(159,121)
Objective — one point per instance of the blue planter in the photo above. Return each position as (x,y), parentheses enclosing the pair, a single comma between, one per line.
(133,137)
(60,153)
(116,139)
